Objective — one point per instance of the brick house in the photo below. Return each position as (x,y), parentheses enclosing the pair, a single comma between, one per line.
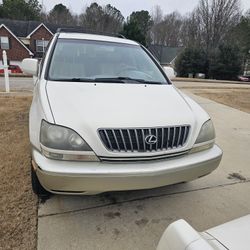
(22,39)
(39,39)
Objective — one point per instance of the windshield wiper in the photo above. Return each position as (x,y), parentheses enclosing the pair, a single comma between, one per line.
(119,79)
(112,80)
(73,79)
(109,79)
(125,80)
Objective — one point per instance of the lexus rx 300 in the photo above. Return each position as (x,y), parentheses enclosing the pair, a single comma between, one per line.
(105,117)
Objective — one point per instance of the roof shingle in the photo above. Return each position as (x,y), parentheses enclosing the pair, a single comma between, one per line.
(24,28)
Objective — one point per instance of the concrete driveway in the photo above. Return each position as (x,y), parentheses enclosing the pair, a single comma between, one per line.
(135,220)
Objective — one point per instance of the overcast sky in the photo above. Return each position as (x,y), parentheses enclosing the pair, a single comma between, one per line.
(128,6)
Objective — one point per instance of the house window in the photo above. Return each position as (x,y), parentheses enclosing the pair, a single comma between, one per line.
(41,45)
(4,42)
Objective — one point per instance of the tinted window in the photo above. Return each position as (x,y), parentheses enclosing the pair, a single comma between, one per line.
(94,59)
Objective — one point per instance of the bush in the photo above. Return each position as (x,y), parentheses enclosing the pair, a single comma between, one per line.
(191,60)
(226,63)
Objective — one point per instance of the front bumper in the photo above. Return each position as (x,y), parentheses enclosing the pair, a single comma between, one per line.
(97,177)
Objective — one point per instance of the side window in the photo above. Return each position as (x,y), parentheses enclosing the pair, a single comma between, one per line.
(4,42)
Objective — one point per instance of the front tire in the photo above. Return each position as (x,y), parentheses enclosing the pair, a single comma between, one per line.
(37,188)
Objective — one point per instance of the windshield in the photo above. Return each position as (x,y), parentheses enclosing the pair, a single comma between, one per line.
(84,60)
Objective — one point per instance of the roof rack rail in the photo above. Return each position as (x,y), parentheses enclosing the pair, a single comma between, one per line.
(81,30)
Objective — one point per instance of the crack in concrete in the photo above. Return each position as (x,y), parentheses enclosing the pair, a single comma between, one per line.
(141,199)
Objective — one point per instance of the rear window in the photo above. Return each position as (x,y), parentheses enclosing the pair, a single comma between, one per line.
(74,58)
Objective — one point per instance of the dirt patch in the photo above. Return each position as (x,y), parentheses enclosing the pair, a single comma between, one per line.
(18,205)
(235,98)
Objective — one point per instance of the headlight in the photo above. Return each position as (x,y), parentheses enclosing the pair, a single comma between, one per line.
(58,137)
(205,139)
(62,143)
(207,133)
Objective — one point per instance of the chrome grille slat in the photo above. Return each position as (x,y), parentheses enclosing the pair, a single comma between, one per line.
(118,146)
(130,140)
(143,141)
(179,137)
(168,136)
(151,145)
(109,142)
(162,138)
(123,141)
(184,136)
(133,139)
(156,145)
(137,140)
(173,137)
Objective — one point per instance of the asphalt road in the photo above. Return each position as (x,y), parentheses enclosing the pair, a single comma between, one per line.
(17,84)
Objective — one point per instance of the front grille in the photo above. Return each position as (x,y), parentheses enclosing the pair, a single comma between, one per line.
(135,139)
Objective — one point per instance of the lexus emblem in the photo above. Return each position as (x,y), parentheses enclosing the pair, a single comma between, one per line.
(151,139)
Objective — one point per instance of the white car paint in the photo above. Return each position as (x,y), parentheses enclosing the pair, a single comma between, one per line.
(87,107)
(30,65)
(125,112)
(233,235)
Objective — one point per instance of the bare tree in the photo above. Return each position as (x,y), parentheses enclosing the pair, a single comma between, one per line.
(98,18)
(91,18)
(157,14)
(216,18)
(112,19)
(166,30)
(173,24)
(190,34)
(61,15)
(156,30)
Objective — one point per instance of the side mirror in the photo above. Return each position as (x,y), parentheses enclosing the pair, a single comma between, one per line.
(169,72)
(30,66)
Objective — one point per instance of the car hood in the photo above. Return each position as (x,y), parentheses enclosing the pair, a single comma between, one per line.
(234,235)
(86,107)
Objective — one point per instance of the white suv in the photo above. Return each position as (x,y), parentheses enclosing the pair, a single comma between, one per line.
(105,117)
